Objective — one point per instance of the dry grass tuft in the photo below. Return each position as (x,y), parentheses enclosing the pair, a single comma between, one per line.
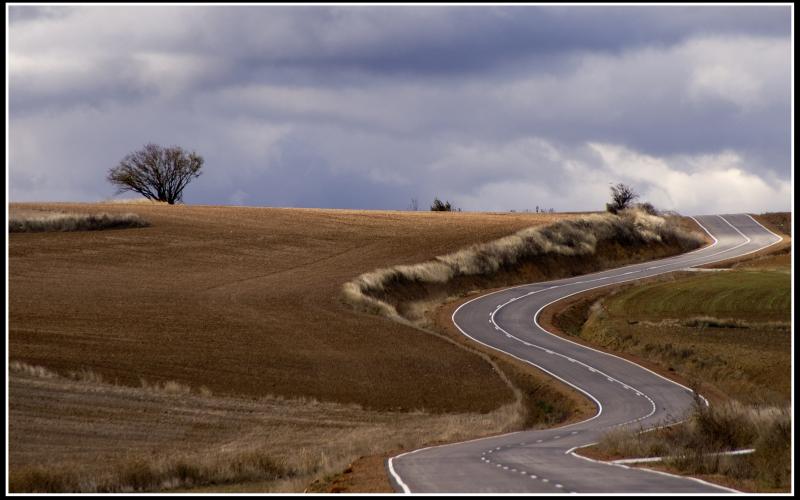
(61,221)
(712,322)
(170,387)
(86,375)
(31,370)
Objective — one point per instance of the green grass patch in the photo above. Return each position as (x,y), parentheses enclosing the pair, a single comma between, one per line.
(730,330)
(747,295)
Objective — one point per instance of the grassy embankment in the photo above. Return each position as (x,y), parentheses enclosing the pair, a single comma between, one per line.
(726,333)
(218,336)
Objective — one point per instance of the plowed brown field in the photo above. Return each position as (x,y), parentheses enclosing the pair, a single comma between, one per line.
(245,301)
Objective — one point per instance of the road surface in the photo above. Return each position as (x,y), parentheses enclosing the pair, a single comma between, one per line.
(625,394)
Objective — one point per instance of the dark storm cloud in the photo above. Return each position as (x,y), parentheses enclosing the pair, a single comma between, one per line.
(432,39)
(300,178)
(341,43)
(366,107)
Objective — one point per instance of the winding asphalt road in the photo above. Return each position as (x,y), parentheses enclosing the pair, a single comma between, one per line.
(624,393)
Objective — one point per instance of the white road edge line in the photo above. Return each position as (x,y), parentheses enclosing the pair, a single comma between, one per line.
(612,464)
(661,459)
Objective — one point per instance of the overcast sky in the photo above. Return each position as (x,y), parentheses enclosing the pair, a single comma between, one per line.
(490,107)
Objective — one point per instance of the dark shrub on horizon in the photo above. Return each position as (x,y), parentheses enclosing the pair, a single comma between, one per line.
(439,206)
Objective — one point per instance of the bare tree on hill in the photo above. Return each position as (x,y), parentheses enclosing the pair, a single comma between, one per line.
(156,173)
(621,198)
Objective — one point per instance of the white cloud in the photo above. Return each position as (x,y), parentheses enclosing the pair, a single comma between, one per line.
(742,70)
(711,183)
(568,179)
(747,72)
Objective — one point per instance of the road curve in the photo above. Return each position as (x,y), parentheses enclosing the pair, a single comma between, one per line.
(624,393)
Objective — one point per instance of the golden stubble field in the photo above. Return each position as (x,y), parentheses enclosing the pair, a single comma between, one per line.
(237,306)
